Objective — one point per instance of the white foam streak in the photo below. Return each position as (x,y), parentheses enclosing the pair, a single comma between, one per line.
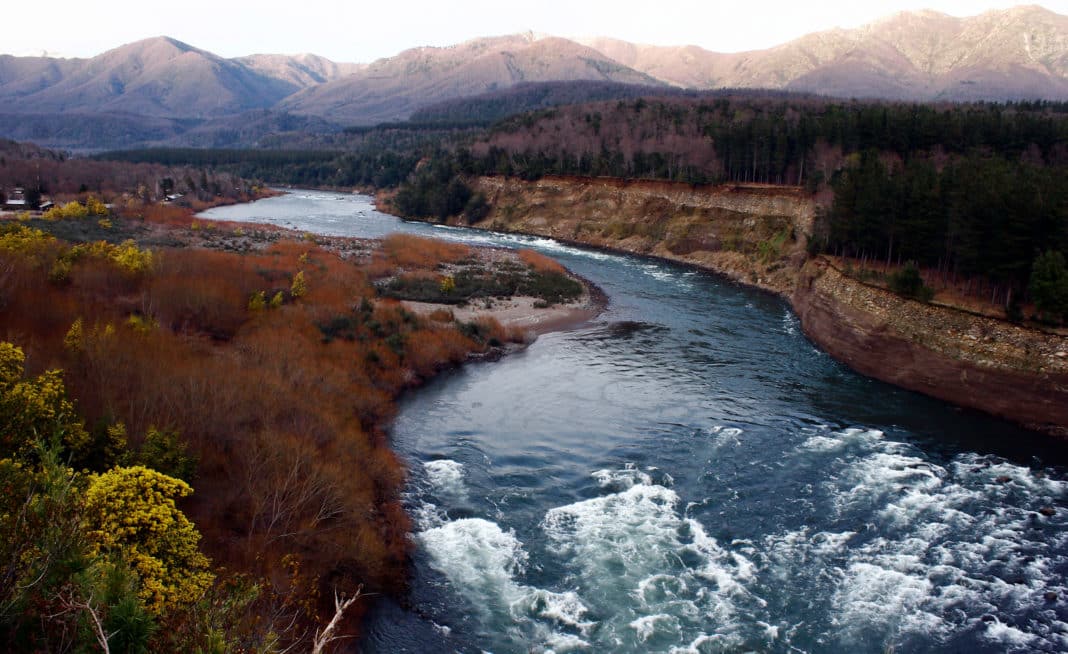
(629,477)
(1009,636)
(882,596)
(647,625)
(482,561)
(477,556)
(564,643)
(634,543)
(942,547)
(563,608)
(447,477)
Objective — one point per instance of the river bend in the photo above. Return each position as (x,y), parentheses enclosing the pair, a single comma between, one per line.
(687,473)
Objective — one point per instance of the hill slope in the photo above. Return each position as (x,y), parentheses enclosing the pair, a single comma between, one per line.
(392,88)
(158,89)
(1019,53)
(155,77)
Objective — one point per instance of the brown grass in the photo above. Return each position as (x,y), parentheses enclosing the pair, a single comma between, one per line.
(414,252)
(540,262)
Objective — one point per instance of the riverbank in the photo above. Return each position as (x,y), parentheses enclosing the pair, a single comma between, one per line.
(520,313)
(758,237)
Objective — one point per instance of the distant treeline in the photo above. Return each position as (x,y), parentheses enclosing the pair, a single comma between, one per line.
(382,168)
(41,172)
(768,140)
(381,157)
(489,108)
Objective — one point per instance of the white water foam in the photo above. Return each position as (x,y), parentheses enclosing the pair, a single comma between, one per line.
(660,274)
(720,435)
(790,323)
(628,477)
(564,643)
(911,555)
(663,578)
(447,478)
(946,550)
(478,557)
(647,625)
(482,561)
(563,608)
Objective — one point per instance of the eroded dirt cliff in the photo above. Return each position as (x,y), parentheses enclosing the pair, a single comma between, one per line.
(757,235)
(752,234)
(982,363)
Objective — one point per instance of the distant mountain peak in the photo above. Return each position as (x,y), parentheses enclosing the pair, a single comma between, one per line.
(159,44)
(1002,54)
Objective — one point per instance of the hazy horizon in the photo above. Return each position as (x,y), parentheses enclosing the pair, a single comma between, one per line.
(363,34)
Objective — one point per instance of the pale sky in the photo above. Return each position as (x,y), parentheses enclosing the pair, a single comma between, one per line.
(359,31)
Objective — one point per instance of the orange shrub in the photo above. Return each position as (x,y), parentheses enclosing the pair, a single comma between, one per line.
(540,262)
(410,251)
(202,291)
(165,214)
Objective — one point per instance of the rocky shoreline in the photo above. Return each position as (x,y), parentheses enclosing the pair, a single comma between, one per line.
(757,236)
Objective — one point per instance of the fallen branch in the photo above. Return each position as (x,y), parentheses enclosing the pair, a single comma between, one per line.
(327,636)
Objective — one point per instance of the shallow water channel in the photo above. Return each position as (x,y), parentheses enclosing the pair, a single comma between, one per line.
(687,473)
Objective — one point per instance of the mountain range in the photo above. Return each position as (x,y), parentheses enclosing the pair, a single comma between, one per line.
(160,89)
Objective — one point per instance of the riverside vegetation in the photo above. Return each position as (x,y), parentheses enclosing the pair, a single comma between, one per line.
(193,454)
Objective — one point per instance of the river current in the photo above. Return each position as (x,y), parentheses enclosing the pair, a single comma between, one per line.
(688,473)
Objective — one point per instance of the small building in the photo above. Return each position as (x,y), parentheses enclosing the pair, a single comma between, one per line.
(16,199)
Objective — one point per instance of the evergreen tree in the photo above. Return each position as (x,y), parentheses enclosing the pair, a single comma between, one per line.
(1049,285)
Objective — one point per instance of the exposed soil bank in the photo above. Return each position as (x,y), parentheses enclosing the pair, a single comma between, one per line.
(982,363)
(757,236)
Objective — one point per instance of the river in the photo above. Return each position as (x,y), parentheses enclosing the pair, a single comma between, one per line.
(688,473)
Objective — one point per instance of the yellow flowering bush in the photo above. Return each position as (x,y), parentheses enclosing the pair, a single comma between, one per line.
(71,210)
(130,258)
(75,337)
(299,287)
(11,364)
(258,301)
(96,207)
(142,324)
(24,240)
(131,513)
(126,256)
(37,408)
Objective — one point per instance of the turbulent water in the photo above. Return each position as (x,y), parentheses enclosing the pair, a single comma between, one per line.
(689,474)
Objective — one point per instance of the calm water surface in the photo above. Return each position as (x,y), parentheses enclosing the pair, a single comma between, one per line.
(688,473)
